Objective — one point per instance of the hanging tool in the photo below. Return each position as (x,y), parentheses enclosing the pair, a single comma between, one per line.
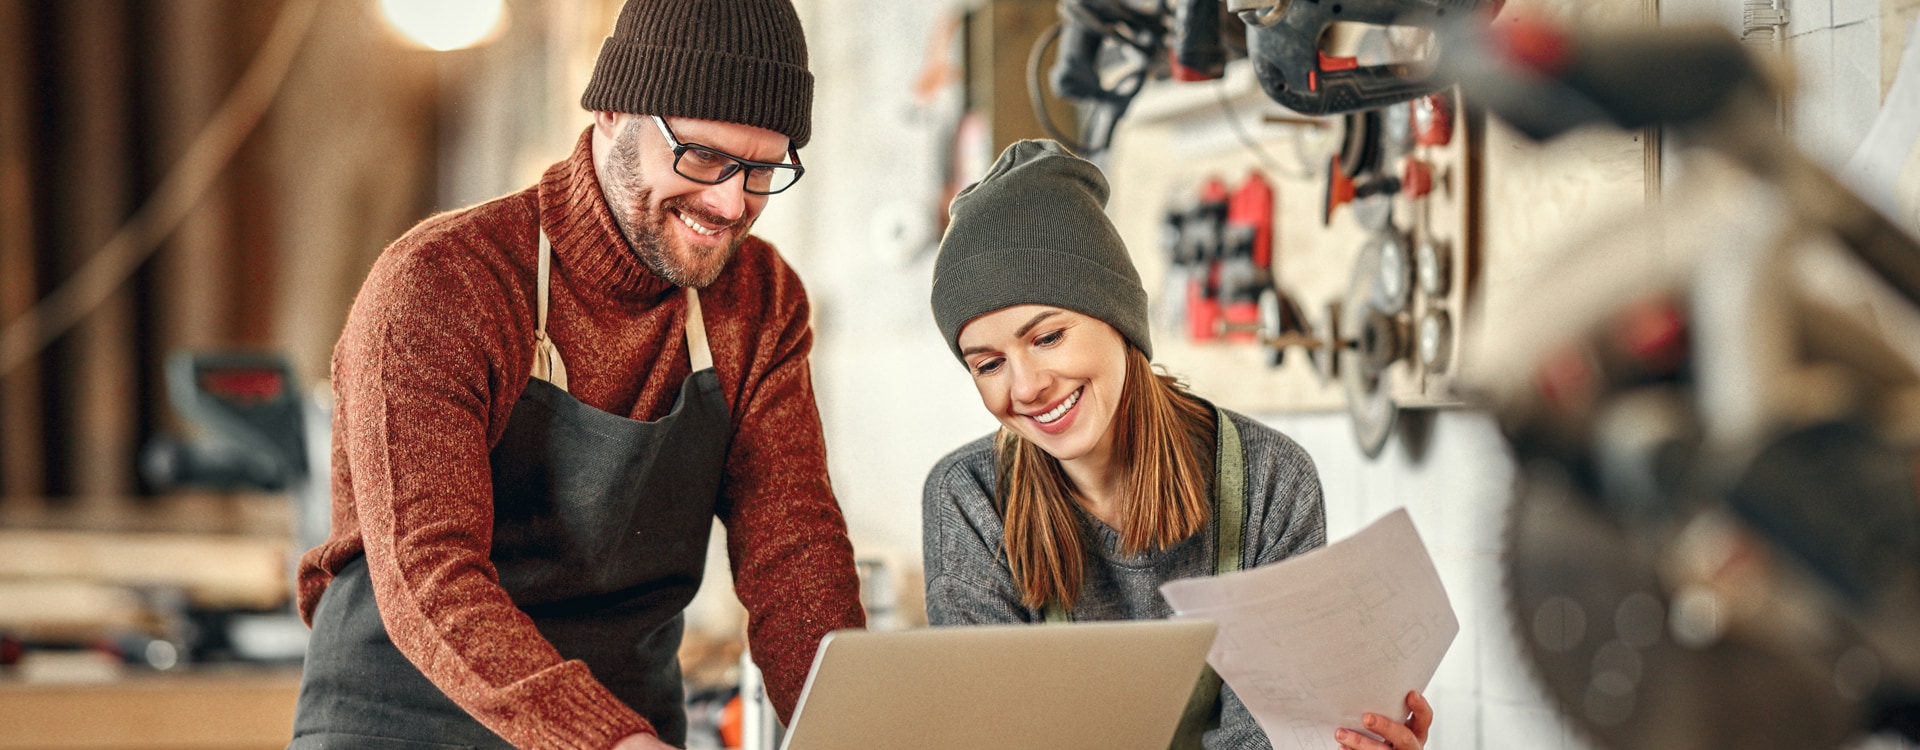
(1202,234)
(1415,181)
(1251,206)
(1284,39)
(1089,32)
(1241,282)
(1199,53)
(1343,189)
(1378,338)
(1418,179)
(1246,269)
(250,415)
(1433,119)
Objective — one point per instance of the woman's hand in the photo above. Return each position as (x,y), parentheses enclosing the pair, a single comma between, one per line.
(1411,735)
(642,742)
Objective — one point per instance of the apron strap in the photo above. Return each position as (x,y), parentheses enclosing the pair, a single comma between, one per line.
(1229,506)
(1229,529)
(1229,524)
(547,364)
(698,352)
(1229,496)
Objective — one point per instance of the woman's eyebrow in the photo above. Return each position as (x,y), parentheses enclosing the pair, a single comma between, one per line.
(1034,322)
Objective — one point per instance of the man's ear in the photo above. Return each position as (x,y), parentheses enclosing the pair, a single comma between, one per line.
(604,123)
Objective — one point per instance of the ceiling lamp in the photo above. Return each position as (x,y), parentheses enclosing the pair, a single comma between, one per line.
(446,24)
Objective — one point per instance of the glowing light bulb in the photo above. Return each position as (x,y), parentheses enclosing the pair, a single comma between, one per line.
(446,24)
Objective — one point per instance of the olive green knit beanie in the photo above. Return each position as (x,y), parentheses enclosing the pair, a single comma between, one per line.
(1035,231)
(740,61)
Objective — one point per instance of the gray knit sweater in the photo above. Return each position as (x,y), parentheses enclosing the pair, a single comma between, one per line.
(968,581)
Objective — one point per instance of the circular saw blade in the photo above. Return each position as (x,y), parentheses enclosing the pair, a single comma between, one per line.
(1368,345)
(1592,618)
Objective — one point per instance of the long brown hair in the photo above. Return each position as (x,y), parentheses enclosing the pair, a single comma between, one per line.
(1163,435)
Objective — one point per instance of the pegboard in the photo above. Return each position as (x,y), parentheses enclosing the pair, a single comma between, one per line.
(1502,205)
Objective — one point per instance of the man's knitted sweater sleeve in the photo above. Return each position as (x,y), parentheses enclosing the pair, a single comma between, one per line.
(418,376)
(786,538)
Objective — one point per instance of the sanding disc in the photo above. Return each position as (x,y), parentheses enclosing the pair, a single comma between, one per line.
(1371,342)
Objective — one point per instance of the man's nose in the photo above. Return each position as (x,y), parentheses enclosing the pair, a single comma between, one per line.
(729,198)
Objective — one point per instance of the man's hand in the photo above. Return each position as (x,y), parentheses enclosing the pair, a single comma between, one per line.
(1411,735)
(641,742)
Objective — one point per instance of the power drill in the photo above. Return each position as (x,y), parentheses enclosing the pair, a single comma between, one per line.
(1283,38)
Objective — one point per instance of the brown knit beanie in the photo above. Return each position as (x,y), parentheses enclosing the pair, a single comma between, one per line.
(740,61)
(1035,231)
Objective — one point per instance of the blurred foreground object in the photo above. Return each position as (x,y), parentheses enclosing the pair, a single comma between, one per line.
(1715,541)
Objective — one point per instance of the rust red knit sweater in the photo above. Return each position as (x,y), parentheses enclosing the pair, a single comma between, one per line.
(436,351)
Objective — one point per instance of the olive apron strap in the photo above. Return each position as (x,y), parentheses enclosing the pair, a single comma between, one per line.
(1229,526)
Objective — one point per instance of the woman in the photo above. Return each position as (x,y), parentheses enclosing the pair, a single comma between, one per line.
(1105,480)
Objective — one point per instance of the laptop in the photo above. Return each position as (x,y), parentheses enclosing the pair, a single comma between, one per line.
(1104,686)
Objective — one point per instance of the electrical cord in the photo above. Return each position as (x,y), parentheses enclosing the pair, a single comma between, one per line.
(1142,32)
(139,238)
(1246,139)
(1034,94)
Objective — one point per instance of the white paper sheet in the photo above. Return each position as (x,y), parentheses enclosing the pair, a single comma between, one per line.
(1875,169)
(1312,642)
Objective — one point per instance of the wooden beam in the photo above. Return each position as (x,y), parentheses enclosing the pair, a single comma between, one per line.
(1002,34)
(95,200)
(22,458)
(190,79)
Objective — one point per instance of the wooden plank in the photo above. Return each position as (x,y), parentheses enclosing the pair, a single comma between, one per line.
(182,512)
(217,711)
(234,571)
(67,611)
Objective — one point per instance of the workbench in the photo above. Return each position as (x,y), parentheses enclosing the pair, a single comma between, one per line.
(208,708)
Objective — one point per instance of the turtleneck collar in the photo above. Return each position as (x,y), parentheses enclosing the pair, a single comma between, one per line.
(585,238)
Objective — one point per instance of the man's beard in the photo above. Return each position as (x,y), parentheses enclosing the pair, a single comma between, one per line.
(645,226)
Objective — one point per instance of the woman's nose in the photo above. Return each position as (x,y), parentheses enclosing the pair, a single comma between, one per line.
(1029,382)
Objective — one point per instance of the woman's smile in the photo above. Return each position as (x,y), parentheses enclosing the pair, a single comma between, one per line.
(1056,420)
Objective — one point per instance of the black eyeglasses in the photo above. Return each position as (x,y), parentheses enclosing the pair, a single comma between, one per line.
(710,167)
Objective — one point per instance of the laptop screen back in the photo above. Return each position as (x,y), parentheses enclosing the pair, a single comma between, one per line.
(1111,686)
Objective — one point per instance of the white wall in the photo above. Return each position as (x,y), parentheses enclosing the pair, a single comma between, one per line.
(860,229)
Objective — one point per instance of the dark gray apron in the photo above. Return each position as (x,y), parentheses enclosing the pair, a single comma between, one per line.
(599,534)
(1229,524)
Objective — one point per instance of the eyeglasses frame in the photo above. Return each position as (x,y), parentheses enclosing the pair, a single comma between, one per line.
(741,166)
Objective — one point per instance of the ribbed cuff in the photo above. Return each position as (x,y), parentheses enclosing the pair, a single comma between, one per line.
(563,708)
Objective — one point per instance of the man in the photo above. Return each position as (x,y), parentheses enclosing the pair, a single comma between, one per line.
(510,555)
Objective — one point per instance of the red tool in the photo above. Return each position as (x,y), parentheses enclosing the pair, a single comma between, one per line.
(1252,206)
(1206,227)
(1433,120)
